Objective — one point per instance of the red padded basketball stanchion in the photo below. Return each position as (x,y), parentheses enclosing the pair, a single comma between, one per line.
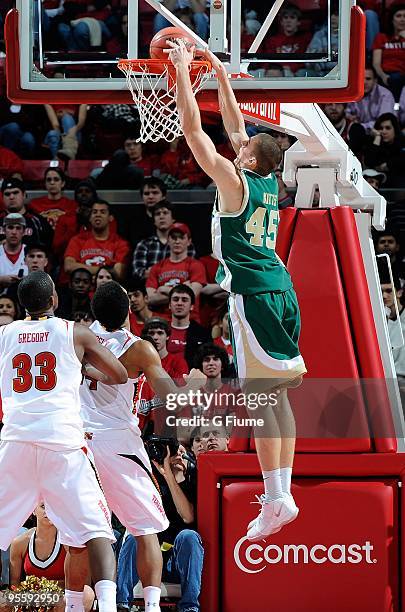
(288,218)
(364,333)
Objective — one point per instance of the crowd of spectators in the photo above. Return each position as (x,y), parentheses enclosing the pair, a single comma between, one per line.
(174,300)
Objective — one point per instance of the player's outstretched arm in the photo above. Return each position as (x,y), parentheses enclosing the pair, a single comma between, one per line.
(89,349)
(143,357)
(231,115)
(221,170)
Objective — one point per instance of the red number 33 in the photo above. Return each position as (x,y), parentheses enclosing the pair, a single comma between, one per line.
(44,381)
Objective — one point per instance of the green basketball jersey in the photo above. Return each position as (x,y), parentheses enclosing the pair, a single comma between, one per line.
(244,242)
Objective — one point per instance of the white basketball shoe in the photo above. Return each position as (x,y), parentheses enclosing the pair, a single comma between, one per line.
(273,516)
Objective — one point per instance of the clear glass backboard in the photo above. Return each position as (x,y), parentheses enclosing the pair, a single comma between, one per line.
(309,50)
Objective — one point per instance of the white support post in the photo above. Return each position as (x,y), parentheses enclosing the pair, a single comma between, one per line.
(218,42)
(308,179)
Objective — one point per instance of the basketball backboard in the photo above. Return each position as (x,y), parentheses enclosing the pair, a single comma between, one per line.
(310,51)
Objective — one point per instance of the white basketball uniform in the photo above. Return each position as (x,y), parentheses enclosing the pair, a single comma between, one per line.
(8,267)
(42,453)
(111,425)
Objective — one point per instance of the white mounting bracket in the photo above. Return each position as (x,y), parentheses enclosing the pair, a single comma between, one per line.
(321,157)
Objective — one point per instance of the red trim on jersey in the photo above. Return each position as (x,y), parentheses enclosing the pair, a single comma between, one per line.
(126,341)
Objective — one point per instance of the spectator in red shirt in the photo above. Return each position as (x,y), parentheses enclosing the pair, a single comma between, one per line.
(389,52)
(186,335)
(134,150)
(175,365)
(178,161)
(291,39)
(175,269)
(55,204)
(98,247)
(212,295)
(138,304)
(213,361)
(10,163)
(220,333)
(70,225)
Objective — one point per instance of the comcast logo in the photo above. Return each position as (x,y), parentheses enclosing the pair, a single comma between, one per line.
(254,558)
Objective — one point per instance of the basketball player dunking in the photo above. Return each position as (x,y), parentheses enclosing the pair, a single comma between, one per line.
(41,450)
(114,437)
(263,308)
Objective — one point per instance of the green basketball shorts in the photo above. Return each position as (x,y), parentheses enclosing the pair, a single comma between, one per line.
(265,329)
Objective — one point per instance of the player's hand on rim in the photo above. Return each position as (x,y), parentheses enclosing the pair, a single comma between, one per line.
(180,53)
(215,62)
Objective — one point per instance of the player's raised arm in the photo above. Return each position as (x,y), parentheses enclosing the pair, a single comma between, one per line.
(231,115)
(88,347)
(221,170)
(142,356)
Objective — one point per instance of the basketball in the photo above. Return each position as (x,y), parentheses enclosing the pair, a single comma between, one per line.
(159,41)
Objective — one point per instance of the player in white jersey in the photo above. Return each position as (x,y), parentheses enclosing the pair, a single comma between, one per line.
(42,454)
(111,424)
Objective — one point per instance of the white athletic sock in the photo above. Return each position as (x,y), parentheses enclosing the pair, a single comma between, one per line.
(106,593)
(272,484)
(285,474)
(151,595)
(74,601)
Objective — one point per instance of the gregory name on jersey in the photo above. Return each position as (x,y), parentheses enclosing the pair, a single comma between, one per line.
(33,337)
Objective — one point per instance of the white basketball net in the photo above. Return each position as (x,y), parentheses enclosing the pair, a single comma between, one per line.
(154,95)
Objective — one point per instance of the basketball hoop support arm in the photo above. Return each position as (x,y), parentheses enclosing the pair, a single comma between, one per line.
(321,157)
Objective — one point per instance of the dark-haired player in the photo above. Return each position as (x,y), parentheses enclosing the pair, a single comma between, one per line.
(111,423)
(41,454)
(263,307)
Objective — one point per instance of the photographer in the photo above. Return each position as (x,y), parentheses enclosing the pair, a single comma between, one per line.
(181,544)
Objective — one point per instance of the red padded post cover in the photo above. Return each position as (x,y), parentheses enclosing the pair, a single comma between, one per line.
(364,332)
(288,218)
(329,406)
